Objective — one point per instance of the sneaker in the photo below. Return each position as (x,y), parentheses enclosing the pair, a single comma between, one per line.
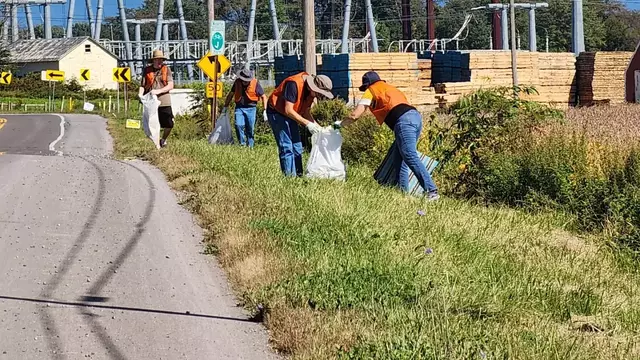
(163,142)
(433,196)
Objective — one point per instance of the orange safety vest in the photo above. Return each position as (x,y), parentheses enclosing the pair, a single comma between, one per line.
(150,76)
(385,98)
(276,100)
(250,92)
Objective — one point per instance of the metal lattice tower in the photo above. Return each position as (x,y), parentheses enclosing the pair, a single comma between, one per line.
(10,12)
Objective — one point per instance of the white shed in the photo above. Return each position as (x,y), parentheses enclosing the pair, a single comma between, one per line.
(70,55)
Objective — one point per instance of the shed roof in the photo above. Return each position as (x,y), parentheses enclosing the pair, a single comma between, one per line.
(47,50)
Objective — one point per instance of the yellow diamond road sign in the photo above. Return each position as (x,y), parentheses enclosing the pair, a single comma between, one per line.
(122,74)
(54,75)
(5,78)
(85,74)
(208,65)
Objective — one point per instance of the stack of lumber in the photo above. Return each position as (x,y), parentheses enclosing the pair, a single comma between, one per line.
(601,77)
(398,69)
(424,66)
(556,79)
(552,74)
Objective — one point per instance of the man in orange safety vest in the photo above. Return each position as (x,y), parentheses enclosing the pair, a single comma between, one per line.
(246,92)
(158,80)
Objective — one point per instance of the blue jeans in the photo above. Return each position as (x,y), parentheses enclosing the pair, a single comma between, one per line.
(287,134)
(407,132)
(245,125)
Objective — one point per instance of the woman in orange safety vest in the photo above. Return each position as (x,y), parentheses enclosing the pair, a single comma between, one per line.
(390,106)
(289,106)
(246,92)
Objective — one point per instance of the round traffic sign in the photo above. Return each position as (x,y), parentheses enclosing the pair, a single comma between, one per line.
(217,41)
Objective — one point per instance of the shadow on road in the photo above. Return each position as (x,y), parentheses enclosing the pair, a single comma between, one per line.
(120,308)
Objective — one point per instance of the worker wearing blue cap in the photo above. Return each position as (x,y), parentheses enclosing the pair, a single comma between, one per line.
(390,106)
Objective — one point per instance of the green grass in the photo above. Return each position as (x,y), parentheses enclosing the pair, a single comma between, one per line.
(343,271)
(101,106)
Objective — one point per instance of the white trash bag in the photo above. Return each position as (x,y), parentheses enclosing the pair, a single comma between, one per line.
(150,121)
(222,133)
(325,160)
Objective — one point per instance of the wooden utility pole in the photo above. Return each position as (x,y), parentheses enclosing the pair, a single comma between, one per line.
(309,17)
(514,65)
(405,9)
(496,33)
(431,20)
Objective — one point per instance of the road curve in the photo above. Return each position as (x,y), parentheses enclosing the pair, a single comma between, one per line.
(98,260)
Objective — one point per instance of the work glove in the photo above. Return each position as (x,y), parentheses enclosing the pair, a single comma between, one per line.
(264,115)
(337,125)
(314,128)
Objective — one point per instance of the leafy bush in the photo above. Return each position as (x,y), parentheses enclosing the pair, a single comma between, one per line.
(501,149)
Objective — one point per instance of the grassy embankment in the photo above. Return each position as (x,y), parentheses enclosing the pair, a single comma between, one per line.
(355,270)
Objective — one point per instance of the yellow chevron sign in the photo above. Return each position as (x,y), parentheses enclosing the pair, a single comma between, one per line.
(122,74)
(5,78)
(85,74)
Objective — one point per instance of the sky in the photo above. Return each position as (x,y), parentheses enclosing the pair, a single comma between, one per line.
(59,12)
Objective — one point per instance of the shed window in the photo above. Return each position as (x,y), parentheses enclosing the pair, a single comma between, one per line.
(87,48)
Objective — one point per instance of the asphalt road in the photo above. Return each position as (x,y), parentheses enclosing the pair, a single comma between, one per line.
(98,261)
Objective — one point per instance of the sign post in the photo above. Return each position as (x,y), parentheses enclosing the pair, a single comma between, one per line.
(52,76)
(85,75)
(217,40)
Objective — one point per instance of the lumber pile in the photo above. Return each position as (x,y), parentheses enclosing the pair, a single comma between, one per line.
(552,74)
(601,77)
(424,65)
(399,69)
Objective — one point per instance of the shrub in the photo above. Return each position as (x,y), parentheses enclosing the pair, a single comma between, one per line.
(514,152)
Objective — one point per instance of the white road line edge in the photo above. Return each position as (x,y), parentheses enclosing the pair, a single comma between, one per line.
(53,144)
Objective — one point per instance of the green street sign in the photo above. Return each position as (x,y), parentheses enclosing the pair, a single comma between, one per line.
(217,37)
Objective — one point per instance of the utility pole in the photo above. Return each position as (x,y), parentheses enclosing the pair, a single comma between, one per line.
(514,64)
(92,21)
(252,20)
(32,32)
(533,41)
(577,27)
(72,6)
(497,28)
(14,23)
(405,7)
(431,21)
(159,23)
(47,21)
(308,17)
(345,27)
(183,33)
(96,35)
(371,25)
(276,29)
(5,24)
(125,33)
